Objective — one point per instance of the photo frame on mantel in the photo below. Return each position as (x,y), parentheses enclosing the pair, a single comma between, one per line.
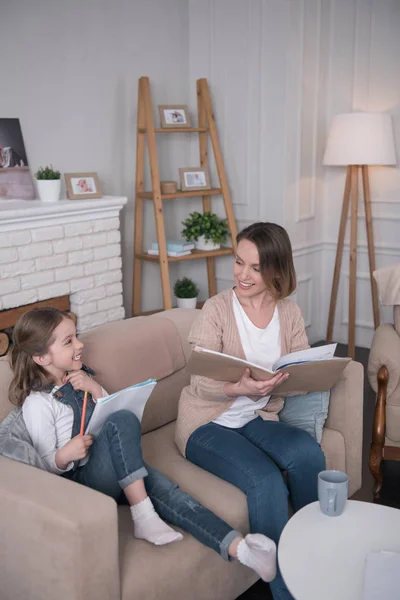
(82,185)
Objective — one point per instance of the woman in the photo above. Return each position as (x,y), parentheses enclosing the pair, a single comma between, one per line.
(232,429)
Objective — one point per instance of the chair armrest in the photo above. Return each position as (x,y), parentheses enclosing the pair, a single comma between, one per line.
(58,539)
(346,416)
(385,350)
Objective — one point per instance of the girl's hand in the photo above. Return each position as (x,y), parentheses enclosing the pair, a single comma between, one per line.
(247,386)
(75,449)
(81,381)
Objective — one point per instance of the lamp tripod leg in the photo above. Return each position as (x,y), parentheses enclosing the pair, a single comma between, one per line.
(339,254)
(371,246)
(353,262)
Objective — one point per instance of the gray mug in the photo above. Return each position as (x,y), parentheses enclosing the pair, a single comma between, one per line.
(333,490)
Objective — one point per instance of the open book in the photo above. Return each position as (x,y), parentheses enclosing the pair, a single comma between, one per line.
(133,398)
(311,370)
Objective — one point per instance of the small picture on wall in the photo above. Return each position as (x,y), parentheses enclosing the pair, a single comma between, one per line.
(15,177)
(174,115)
(82,185)
(194,179)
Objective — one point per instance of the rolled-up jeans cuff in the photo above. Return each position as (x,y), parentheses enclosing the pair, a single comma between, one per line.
(139,474)
(226,542)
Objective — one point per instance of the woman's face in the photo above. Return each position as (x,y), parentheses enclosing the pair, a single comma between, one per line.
(246,270)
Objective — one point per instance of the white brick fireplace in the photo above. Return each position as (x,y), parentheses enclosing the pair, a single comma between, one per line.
(72,247)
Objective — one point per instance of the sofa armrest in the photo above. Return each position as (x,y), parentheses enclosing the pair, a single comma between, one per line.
(58,539)
(346,416)
(385,350)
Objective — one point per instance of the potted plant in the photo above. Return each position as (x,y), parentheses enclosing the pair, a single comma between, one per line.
(186,292)
(48,182)
(207,230)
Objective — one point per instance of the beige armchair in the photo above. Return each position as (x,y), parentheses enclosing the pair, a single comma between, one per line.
(384,377)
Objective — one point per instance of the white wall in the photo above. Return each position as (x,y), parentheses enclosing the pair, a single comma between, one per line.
(278,71)
(69,71)
(363,75)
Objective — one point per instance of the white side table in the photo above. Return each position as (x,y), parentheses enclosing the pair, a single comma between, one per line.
(323,557)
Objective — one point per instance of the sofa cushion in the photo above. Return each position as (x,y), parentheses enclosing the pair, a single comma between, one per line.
(130,351)
(186,569)
(133,350)
(308,412)
(160,451)
(15,441)
(334,449)
(162,406)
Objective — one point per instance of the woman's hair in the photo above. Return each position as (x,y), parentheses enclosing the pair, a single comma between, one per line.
(276,258)
(33,334)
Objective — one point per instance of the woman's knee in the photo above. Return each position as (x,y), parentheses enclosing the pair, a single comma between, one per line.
(306,450)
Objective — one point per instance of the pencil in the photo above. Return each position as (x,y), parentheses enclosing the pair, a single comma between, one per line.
(82,431)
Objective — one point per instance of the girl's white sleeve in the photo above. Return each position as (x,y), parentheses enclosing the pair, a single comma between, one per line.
(39,418)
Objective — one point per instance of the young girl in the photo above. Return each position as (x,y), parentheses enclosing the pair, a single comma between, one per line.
(49,381)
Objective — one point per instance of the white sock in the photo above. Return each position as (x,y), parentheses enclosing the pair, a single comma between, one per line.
(149,526)
(258,552)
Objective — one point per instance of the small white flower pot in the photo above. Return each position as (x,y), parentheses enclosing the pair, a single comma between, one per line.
(49,189)
(203,244)
(186,302)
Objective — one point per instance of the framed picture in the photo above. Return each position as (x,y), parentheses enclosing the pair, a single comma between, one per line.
(15,177)
(194,179)
(82,185)
(174,115)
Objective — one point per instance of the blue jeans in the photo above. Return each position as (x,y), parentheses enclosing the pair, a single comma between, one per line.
(252,458)
(116,461)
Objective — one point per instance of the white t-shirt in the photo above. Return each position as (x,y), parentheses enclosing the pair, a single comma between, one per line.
(261,346)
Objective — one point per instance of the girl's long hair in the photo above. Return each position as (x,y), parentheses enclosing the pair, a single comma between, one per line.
(33,334)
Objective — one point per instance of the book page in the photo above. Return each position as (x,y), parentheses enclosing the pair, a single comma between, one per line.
(310,354)
(133,398)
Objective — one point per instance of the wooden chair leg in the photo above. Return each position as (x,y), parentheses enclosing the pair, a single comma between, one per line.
(378,432)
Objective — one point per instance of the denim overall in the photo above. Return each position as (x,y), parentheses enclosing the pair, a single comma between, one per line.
(67,395)
(115,461)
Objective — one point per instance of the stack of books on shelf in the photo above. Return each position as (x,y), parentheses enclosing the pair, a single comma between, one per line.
(174,248)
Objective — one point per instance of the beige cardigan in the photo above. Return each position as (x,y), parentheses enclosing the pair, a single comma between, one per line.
(203,400)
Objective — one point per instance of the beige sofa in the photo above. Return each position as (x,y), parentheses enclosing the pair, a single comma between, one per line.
(60,540)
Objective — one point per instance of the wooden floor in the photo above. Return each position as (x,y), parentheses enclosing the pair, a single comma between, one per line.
(390,495)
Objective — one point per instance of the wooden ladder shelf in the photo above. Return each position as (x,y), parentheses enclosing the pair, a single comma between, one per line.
(146,129)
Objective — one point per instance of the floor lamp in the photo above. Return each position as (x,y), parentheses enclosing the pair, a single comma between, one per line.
(357,141)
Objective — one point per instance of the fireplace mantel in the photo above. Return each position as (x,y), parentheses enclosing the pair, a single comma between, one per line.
(71,247)
(23,214)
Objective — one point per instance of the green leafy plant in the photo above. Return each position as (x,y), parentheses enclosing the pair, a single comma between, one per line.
(186,288)
(47,173)
(208,224)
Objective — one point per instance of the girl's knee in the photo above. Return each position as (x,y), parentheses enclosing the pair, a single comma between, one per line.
(125,419)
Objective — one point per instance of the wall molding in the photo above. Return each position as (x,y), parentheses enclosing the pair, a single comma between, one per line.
(363,276)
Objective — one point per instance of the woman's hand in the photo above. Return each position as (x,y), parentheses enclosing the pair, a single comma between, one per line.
(81,381)
(75,449)
(247,386)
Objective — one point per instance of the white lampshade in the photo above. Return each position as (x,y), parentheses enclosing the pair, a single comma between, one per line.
(360,139)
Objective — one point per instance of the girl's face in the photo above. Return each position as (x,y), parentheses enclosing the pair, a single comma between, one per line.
(246,271)
(65,353)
